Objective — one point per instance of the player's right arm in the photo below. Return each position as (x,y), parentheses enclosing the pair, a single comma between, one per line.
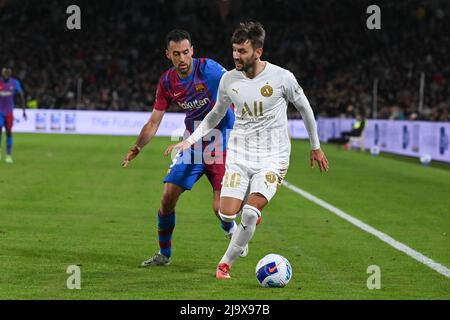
(211,120)
(149,130)
(147,133)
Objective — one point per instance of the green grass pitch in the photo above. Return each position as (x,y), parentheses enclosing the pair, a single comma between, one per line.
(67,201)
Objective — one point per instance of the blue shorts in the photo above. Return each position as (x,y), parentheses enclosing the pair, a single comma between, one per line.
(185,174)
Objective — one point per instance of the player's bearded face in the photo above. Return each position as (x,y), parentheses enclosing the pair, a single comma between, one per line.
(244,56)
(245,64)
(180,53)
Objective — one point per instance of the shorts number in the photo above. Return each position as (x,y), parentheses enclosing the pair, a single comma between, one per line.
(232,181)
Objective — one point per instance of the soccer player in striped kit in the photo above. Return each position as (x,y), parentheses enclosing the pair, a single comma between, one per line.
(9,87)
(192,85)
(259,146)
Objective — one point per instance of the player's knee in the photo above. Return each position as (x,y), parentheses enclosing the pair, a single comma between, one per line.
(229,208)
(250,215)
(216,207)
(226,216)
(168,202)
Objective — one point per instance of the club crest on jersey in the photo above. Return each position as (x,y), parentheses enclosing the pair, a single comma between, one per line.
(267,91)
(271,177)
(199,88)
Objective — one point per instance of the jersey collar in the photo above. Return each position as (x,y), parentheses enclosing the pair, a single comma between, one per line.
(259,75)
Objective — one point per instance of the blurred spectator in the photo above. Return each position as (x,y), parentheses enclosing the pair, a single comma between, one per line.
(118,55)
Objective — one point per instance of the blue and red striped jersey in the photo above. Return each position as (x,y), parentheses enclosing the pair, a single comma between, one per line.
(196,94)
(8,88)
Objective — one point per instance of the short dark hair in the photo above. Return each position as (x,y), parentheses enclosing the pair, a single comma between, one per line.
(252,31)
(177,35)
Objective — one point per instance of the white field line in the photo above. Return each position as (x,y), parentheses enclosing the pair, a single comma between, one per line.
(380,235)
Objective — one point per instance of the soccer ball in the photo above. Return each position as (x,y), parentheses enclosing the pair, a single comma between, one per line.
(273,271)
(425,159)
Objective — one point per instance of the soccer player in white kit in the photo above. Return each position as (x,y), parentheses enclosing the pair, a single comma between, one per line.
(259,144)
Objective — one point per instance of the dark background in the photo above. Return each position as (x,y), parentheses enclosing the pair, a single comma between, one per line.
(119,51)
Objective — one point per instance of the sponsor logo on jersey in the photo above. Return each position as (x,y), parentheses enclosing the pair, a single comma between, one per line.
(267,91)
(257,109)
(190,105)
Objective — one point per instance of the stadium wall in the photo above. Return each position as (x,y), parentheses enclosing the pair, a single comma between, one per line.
(411,138)
(109,123)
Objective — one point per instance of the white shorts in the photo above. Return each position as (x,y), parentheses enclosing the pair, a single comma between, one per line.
(240,180)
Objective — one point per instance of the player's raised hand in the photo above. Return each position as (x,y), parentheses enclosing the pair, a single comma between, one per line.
(319,156)
(180,146)
(130,156)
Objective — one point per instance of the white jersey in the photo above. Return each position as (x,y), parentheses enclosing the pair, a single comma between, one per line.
(260,133)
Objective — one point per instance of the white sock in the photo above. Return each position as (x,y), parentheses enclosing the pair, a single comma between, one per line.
(232,230)
(242,235)
(228,219)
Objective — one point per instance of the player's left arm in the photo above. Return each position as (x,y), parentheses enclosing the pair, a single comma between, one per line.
(19,91)
(298,98)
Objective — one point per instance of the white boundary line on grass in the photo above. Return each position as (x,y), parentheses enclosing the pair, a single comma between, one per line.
(380,235)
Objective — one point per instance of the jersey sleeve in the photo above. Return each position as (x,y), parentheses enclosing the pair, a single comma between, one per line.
(294,93)
(215,70)
(222,94)
(213,118)
(18,87)
(162,101)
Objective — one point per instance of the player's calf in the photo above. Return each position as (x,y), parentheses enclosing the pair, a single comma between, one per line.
(239,243)
(9,145)
(229,221)
(170,198)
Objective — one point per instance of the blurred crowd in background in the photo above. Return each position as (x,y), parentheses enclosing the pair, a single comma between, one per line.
(115,60)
